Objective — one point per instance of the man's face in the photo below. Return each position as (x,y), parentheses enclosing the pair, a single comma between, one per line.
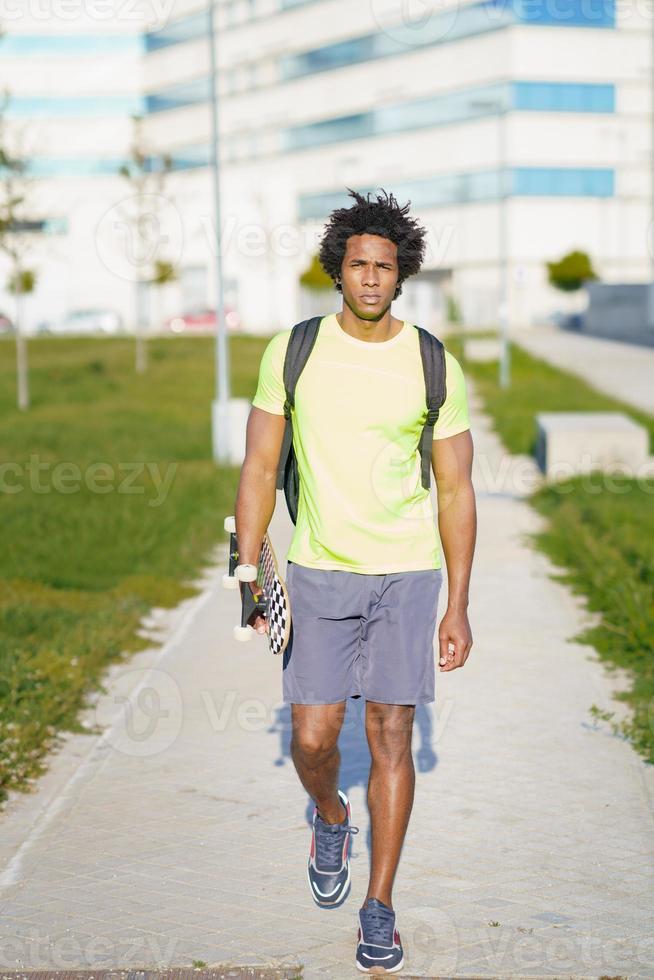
(369,275)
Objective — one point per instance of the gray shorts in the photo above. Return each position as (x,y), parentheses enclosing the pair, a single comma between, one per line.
(359,635)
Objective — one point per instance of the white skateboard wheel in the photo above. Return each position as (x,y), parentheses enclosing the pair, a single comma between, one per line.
(246,573)
(230,581)
(243,633)
(230,524)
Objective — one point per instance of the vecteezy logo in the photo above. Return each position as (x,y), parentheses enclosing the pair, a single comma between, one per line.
(414,23)
(142,711)
(137,231)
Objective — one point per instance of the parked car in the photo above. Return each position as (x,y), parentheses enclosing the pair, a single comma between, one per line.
(100,321)
(6,325)
(201,321)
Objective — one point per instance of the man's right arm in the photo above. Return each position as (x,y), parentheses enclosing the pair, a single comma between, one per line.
(256,495)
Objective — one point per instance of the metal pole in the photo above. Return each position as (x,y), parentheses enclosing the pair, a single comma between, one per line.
(651,163)
(220,428)
(505,366)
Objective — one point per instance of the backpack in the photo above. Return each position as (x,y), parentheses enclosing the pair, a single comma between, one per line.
(300,344)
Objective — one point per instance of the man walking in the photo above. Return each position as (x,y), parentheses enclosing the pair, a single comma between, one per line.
(364,569)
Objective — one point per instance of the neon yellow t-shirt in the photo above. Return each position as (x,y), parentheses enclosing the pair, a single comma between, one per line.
(359,412)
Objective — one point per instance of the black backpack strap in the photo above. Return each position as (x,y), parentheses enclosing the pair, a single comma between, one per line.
(300,344)
(432,353)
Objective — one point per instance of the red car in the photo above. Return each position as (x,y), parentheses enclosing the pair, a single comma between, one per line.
(6,326)
(201,322)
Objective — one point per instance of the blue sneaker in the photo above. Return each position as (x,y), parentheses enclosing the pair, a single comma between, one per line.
(329,864)
(379,949)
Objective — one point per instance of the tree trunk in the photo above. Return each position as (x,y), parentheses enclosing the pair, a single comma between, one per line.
(141,341)
(22,381)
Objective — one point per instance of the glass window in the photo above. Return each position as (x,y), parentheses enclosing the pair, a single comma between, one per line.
(564,96)
(64,45)
(329,131)
(566,13)
(183,94)
(178,31)
(478,186)
(80,105)
(563,182)
(189,157)
(453,107)
(443,27)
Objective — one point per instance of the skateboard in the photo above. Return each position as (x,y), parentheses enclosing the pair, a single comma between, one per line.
(268,597)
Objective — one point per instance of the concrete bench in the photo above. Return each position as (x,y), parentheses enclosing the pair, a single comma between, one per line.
(570,443)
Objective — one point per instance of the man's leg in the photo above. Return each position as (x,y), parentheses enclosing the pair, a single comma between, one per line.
(390,791)
(314,749)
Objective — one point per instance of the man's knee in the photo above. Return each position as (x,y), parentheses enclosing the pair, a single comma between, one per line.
(389,728)
(312,743)
(315,732)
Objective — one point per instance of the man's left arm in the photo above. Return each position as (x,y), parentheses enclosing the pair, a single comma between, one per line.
(451,460)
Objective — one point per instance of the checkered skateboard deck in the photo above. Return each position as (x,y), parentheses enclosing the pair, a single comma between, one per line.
(264,594)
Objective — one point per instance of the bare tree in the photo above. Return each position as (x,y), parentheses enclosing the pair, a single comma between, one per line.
(146,174)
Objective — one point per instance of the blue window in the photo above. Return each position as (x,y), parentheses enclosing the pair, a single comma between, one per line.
(189,157)
(185,93)
(445,26)
(477,186)
(439,28)
(81,105)
(178,31)
(183,158)
(74,166)
(566,13)
(64,45)
(564,96)
(563,182)
(456,106)
(329,131)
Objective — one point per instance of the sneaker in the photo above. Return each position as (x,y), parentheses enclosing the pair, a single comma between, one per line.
(329,865)
(379,949)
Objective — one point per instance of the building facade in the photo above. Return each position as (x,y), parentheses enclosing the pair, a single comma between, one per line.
(519,130)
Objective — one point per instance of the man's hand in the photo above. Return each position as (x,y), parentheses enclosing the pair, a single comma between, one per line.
(257,621)
(454,639)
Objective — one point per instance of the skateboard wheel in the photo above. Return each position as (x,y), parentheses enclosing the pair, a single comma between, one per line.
(230,524)
(230,581)
(246,573)
(243,633)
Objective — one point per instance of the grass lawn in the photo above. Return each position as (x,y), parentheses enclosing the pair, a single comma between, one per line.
(110,504)
(603,536)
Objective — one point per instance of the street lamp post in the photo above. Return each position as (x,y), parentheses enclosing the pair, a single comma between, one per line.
(503,237)
(505,352)
(220,418)
(651,163)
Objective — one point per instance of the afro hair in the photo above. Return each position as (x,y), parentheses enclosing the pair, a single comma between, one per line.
(382,216)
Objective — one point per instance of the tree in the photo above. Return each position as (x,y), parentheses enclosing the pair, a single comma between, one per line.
(569,273)
(146,174)
(315,276)
(17,236)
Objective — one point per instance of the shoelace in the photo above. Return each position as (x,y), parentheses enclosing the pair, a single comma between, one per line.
(378,926)
(329,843)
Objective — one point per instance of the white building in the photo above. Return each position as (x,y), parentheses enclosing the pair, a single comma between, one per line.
(533,117)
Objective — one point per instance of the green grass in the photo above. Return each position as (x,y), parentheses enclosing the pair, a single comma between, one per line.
(603,539)
(80,567)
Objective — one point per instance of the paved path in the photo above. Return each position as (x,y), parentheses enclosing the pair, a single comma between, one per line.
(624,371)
(180,834)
